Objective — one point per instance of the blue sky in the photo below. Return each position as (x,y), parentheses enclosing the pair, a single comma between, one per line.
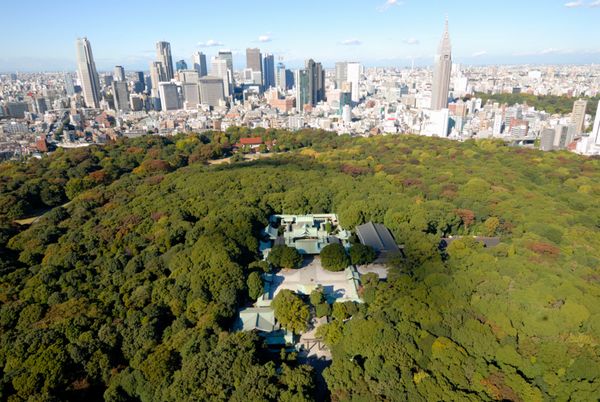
(40,34)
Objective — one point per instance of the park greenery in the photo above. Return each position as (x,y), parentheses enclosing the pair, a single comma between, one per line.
(128,284)
(552,104)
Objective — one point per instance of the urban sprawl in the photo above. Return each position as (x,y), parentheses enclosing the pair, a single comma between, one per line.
(42,111)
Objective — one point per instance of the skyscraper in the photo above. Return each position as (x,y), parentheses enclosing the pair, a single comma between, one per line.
(280,78)
(139,84)
(316,81)
(578,116)
(157,75)
(219,69)
(163,54)
(199,60)
(341,73)
(254,59)
(87,73)
(228,57)
(181,65)
(69,85)
(441,73)
(169,96)
(119,73)
(120,96)
(269,71)
(303,91)
(211,90)
(349,72)
(353,72)
(191,94)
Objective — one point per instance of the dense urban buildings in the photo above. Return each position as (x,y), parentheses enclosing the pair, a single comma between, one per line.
(449,100)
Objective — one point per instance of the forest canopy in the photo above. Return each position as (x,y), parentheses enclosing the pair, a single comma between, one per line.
(127,286)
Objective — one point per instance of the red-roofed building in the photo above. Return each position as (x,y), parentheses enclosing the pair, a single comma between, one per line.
(252,143)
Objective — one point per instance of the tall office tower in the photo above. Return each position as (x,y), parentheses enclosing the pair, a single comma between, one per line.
(188,76)
(157,75)
(303,90)
(219,69)
(181,65)
(228,57)
(441,73)
(139,84)
(191,95)
(353,73)
(316,81)
(120,96)
(87,73)
(199,60)
(211,91)
(119,73)
(163,54)
(169,96)
(69,85)
(341,73)
(40,105)
(148,84)
(289,79)
(254,59)
(345,95)
(108,80)
(137,102)
(280,78)
(269,71)
(578,116)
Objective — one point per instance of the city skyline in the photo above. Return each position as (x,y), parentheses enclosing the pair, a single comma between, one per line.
(377,33)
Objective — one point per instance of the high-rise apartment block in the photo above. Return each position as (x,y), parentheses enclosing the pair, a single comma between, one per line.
(578,116)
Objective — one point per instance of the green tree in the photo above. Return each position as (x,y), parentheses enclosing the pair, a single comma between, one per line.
(334,257)
(361,254)
(255,285)
(291,311)
(282,256)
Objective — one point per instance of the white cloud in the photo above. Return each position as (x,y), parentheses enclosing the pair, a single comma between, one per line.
(479,54)
(550,50)
(351,42)
(411,41)
(574,4)
(210,43)
(265,38)
(388,4)
(581,3)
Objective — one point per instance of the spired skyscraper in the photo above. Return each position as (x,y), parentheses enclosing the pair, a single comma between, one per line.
(441,73)
(86,68)
(163,54)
